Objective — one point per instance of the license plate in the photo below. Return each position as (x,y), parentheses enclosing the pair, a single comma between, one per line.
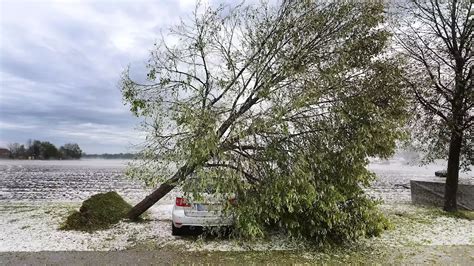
(201,207)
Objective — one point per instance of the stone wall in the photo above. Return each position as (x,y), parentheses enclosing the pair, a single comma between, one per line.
(431,192)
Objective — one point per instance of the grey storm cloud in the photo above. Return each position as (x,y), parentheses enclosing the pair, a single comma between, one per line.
(60,65)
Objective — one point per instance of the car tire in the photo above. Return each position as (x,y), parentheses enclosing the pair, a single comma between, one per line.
(175,231)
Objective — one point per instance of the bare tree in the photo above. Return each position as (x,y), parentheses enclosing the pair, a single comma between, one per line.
(437,39)
(16,150)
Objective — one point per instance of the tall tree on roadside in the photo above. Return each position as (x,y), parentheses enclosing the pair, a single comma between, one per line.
(437,40)
(281,105)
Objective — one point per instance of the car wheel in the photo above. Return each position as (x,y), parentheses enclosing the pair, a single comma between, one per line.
(175,231)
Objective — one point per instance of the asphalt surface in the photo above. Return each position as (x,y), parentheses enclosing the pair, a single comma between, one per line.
(426,255)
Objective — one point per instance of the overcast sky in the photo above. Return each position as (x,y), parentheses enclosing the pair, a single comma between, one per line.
(60,63)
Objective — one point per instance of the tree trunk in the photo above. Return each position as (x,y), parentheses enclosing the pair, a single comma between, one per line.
(451,187)
(160,192)
(187,169)
(455,144)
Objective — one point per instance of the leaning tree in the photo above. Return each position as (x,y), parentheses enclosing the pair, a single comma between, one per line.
(436,38)
(281,105)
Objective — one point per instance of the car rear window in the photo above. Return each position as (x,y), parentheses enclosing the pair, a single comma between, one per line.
(198,185)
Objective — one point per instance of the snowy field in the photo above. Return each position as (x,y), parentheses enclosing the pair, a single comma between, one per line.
(61,181)
(36,196)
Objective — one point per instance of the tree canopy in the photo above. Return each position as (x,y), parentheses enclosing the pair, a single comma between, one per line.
(280,104)
(71,151)
(44,150)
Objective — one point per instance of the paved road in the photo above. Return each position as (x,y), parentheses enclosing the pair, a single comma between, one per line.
(428,255)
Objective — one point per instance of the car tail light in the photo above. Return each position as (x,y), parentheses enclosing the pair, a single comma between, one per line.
(182,202)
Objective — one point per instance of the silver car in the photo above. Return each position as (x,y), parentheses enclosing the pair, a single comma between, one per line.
(189,214)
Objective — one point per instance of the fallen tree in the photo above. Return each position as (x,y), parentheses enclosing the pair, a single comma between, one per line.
(281,105)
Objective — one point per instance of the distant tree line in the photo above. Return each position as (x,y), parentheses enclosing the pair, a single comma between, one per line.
(44,150)
(110,156)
